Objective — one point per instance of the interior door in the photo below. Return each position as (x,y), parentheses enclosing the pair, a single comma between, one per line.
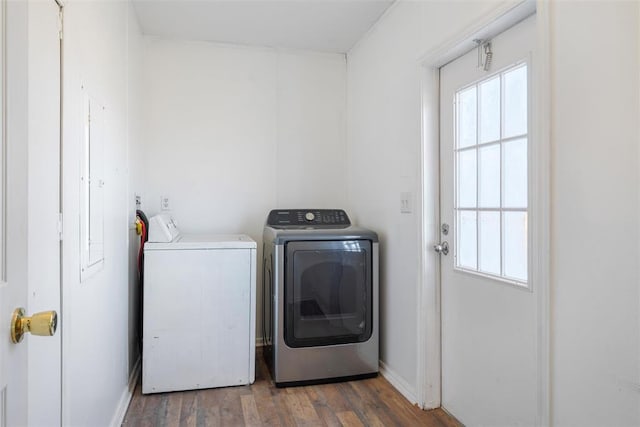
(44,359)
(489,368)
(13,201)
(29,206)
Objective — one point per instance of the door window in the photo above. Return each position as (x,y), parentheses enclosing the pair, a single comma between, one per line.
(491,203)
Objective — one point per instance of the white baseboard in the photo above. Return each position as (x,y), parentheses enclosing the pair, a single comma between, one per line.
(398,383)
(127,394)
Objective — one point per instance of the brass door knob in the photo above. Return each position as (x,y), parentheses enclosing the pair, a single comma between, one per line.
(43,324)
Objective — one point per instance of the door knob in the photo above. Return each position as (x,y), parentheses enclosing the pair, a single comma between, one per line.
(43,324)
(442,248)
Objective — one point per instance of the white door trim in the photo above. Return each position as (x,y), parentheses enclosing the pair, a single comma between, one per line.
(541,207)
(429,332)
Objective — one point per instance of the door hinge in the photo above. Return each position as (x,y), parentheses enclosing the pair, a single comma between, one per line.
(60,226)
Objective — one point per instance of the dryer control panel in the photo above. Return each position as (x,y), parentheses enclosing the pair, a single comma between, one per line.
(303,218)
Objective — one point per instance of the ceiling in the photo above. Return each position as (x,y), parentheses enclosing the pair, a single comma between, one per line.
(320,25)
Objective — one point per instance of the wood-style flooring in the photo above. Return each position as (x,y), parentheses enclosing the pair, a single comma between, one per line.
(370,402)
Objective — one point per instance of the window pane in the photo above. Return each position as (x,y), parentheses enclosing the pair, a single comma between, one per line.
(467,118)
(490,242)
(467,179)
(515,245)
(489,175)
(491,161)
(515,174)
(490,110)
(467,239)
(515,102)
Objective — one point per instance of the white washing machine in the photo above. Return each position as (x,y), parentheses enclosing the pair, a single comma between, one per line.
(199,298)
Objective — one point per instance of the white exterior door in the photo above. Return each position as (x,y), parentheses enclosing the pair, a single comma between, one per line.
(489,356)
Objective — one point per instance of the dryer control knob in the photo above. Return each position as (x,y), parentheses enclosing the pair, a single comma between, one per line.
(309,216)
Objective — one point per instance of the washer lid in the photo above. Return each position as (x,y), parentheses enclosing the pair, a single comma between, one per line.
(204,241)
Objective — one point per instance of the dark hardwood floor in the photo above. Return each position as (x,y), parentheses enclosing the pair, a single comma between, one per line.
(370,402)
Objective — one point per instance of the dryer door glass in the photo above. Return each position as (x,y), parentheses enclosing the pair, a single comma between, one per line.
(328,293)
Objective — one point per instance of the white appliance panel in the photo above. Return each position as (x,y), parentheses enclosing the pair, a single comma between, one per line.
(163,228)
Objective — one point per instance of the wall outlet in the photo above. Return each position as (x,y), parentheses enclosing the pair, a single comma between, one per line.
(165,204)
(406,202)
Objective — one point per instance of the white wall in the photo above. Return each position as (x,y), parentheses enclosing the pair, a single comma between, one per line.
(384,110)
(595,185)
(95,314)
(230,132)
(595,282)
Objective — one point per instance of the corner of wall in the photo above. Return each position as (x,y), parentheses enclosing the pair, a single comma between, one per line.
(127,394)
(399,383)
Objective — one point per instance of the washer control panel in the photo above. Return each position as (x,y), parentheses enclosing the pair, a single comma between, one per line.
(302,218)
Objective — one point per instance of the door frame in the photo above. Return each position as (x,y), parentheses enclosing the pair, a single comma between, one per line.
(429,337)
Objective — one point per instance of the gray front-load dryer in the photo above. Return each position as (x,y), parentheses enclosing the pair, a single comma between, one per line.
(320,297)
